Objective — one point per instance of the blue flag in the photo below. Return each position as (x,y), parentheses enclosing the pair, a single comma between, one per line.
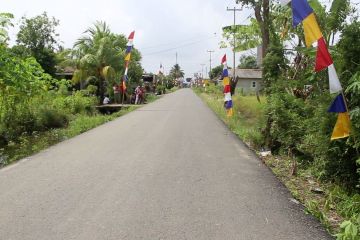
(338,105)
(301,9)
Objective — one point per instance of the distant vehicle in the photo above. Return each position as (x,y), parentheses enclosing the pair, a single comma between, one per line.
(186,83)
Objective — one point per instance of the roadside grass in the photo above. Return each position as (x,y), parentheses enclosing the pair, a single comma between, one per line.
(248,119)
(29,145)
(335,208)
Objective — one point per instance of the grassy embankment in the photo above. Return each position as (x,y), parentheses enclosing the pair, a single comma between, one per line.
(331,204)
(37,141)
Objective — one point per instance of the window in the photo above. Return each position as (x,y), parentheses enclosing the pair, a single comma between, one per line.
(253,84)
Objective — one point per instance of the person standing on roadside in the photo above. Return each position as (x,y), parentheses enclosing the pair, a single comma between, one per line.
(137,94)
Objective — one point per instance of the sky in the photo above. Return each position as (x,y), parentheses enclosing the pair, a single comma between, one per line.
(162,27)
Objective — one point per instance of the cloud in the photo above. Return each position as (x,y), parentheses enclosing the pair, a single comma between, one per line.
(163,27)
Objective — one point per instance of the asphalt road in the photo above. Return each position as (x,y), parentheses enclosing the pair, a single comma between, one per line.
(169,170)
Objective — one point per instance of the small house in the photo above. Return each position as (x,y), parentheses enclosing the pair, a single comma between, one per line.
(249,80)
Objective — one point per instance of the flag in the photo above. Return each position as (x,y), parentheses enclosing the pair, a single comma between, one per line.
(223,60)
(323,58)
(226,81)
(311,30)
(338,105)
(161,71)
(128,49)
(301,9)
(225,72)
(127,57)
(227,88)
(342,126)
(229,104)
(131,35)
(123,87)
(229,112)
(284,2)
(227,96)
(334,82)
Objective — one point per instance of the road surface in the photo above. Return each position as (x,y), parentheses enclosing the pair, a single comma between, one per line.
(169,170)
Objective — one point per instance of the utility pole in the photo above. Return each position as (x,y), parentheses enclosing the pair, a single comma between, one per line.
(210,51)
(202,70)
(234,10)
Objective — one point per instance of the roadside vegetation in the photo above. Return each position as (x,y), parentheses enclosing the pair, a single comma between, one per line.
(292,121)
(39,104)
(330,201)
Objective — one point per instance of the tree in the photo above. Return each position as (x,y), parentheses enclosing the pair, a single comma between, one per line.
(216,71)
(5,22)
(99,58)
(246,36)
(248,62)
(38,35)
(176,72)
(262,15)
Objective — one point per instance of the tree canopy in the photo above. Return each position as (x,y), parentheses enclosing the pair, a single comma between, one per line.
(37,37)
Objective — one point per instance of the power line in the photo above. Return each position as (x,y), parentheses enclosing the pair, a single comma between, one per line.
(172,43)
(173,48)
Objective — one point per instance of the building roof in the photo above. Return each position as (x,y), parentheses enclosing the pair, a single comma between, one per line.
(247,73)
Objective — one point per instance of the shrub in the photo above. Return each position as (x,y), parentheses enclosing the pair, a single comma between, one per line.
(49,118)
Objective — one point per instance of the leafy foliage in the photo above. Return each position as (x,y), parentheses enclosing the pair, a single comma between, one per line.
(216,71)
(248,62)
(176,72)
(5,22)
(99,59)
(38,36)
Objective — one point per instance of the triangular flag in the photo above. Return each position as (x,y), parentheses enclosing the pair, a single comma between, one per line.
(342,126)
(323,58)
(228,104)
(123,85)
(128,49)
(227,89)
(301,9)
(334,82)
(338,105)
(227,97)
(225,72)
(127,57)
(226,81)
(311,30)
(131,36)
(223,60)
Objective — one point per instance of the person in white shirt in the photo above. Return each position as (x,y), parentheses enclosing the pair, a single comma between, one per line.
(106,100)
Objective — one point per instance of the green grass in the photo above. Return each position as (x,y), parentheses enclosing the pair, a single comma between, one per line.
(248,119)
(38,141)
(332,207)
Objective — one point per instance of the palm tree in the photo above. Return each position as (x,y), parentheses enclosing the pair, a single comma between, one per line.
(176,72)
(98,56)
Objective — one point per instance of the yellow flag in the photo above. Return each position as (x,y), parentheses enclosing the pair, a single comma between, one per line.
(229,112)
(342,126)
(226,81)
(311,30)
(127,57)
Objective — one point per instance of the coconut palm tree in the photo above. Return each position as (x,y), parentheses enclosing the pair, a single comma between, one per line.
(98,56)
(176,72)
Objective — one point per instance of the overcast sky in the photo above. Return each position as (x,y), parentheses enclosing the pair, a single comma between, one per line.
(163,27)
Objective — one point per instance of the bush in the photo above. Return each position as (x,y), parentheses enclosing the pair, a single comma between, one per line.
(49,118)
